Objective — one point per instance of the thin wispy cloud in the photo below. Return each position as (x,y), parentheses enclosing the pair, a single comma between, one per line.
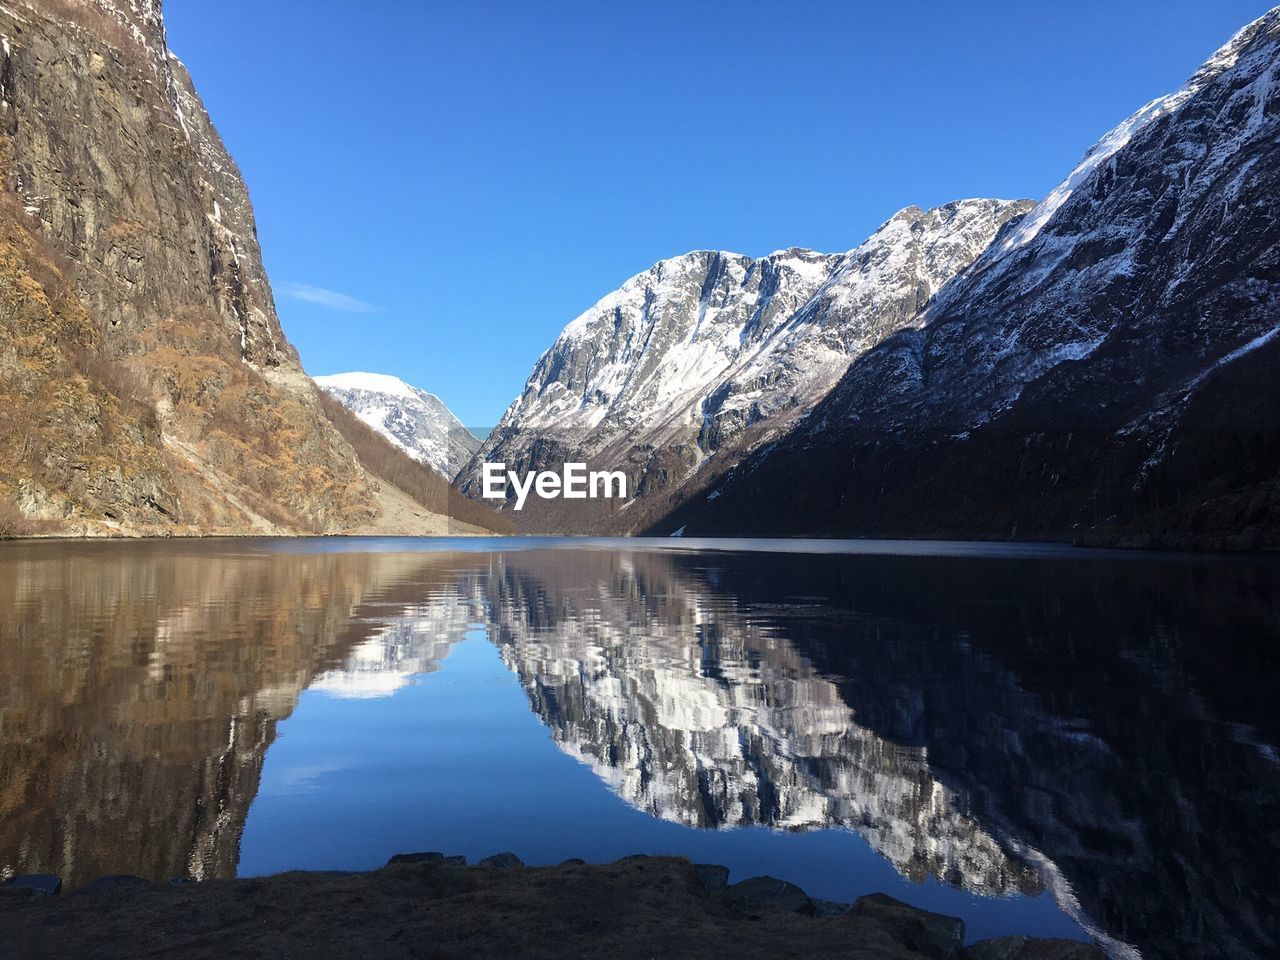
(331,299)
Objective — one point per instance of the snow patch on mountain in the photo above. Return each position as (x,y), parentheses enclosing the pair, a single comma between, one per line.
(1115,140)
(707,355)
(417,422)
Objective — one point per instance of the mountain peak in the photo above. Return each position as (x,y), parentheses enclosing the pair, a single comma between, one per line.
(381,383)
(1224,58)
(414,420)
(910,214)
(706,355)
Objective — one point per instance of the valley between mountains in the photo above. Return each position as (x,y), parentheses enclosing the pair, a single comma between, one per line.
(1098,366)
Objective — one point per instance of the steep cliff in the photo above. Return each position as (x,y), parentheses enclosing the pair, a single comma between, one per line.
(146,384)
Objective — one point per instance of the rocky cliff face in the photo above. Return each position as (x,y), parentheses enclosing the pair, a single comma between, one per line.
(415,421)
(704,357)
(147,384)
(1103,372)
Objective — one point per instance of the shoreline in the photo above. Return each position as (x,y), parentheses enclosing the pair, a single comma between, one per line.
(427,904)
(958,547)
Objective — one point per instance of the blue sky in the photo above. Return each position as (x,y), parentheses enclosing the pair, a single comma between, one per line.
(440,188)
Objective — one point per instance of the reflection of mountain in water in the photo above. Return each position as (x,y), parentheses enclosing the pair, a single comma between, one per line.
(694,713)
(1105,723)
(1109,721)
(1102,729)
(413,643)
(142,688)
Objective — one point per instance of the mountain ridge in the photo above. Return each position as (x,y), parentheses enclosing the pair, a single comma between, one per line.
(704,356)
(1091,378)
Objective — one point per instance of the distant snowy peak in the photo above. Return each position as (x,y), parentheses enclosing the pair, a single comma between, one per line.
(415,421)
(382,383)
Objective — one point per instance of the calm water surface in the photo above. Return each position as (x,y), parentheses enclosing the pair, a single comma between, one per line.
(1038,740)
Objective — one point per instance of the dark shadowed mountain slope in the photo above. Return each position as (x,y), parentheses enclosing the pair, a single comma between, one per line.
(1106,371)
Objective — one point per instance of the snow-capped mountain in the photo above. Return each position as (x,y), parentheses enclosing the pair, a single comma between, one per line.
(1105,371)
(415,421)
(707,355)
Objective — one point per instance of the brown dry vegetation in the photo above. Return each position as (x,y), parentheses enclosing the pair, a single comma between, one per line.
(385,460)
(81,435)
(13,524)
(82,439)
(269,441)
(123,381)
(73,425)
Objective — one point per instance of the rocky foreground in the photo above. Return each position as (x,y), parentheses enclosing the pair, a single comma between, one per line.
(429,905)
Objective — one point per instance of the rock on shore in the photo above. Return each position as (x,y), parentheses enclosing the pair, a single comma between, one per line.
(423,905)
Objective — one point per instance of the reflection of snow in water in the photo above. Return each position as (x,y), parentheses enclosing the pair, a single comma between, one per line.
(698,710)
(693,712)
(408,646)
(367,674)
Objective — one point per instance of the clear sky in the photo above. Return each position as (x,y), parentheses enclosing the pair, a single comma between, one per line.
(440,188)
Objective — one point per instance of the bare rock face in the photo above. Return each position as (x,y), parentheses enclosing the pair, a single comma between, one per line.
(704,357)
(1104,372)
(112,153)
(124,209)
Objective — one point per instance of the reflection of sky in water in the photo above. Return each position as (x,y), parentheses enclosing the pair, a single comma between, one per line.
(961,726)
(455,761)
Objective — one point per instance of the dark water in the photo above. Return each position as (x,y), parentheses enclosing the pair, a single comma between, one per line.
(1038,741)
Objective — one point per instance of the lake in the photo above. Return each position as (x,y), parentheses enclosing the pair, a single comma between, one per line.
(1037,739)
